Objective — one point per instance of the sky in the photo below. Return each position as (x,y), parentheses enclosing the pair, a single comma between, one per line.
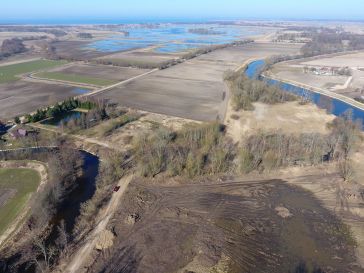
(124,10)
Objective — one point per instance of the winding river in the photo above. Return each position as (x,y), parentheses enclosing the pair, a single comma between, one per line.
(332,105)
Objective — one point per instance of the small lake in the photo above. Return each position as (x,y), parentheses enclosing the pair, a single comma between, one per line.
(173,38)
(332,105)
(80,91)
(64,118)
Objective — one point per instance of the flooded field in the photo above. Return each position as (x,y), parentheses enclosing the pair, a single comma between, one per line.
(174,38)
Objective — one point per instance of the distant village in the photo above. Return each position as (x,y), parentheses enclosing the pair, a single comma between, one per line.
(327,70)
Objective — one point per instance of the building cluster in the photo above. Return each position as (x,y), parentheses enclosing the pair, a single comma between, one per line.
(327,70)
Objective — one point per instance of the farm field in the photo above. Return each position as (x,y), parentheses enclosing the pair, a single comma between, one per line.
(140,57)
(197,100)
(74,78)
(101,73)
(194,89)
(16,186)
(8,73)
(22,97)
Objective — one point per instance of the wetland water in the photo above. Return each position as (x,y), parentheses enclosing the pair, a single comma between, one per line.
(171,38)
(332,105)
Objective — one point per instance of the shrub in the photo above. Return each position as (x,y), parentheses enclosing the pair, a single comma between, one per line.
(245,91)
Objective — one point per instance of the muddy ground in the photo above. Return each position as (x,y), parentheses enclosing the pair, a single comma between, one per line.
(22,97)
(231,226)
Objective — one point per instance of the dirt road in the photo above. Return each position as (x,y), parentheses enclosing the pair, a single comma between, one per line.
(107,88)
(78,137)
(79,258)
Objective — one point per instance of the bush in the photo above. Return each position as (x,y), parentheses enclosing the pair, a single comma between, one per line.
(193,151)
(245,91)
(118,123)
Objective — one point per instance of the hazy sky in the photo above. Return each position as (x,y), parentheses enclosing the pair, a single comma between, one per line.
(202,9)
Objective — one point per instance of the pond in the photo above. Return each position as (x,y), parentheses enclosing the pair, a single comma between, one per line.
(80,91)
(332,105)
(173,38)
(62,119)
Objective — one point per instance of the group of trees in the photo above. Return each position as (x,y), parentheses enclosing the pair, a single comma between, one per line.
(328,41)
(203,150)
(87,119)
(12,46)
(245,91)
(47,239)
(193,151)
(59,109)
(84,35)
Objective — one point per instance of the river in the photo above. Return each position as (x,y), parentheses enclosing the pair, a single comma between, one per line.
(332,105)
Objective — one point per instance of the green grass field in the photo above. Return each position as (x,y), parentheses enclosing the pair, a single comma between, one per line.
(9,73)
(76,78)
(25,181)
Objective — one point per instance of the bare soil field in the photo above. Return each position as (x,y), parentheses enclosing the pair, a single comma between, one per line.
(231,226)
(192,99)
(22,97)
(237,55)
(297,74)
(100,71)
(290,118)
(140,57)
(340,60)
(194,89)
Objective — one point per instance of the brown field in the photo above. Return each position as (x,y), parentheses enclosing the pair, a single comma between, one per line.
(237,55)
(231,226)
(100,71)
(194,89)
(22,97)
(186,98)
(145,57)
(338,60)
(289,118)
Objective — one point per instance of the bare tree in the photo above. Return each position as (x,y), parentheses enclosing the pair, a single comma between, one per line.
(43,255)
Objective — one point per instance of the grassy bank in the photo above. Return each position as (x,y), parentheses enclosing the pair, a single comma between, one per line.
(9,73)
(76,78)
(25,182)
